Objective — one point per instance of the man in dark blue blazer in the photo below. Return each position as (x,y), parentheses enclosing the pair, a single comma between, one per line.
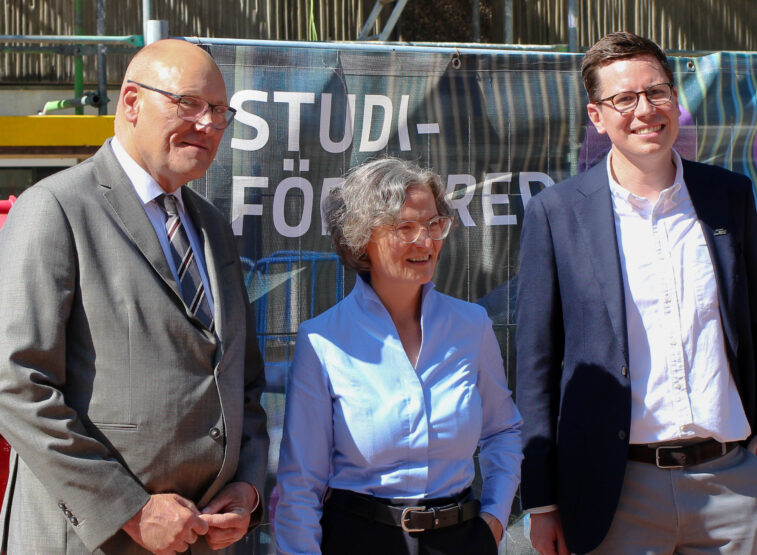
(637,325)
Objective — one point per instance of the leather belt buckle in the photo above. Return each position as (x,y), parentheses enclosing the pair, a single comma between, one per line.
(669,456)
(406,518)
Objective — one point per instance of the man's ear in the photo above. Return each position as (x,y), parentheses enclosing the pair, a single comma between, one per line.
(595,116)
(130,102)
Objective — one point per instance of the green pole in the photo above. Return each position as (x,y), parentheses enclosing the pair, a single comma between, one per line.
(78,62)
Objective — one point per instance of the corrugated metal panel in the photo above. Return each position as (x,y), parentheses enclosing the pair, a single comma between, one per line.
(675,24)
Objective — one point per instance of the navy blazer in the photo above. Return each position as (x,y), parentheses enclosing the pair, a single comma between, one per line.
(573,388)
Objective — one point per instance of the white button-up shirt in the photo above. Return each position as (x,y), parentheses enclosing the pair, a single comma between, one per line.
(148,190)
(681,385)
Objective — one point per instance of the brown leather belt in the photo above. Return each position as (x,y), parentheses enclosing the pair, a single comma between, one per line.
(679,455)
(429,515)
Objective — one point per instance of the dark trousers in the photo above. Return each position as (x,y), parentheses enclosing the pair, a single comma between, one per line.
(345,533)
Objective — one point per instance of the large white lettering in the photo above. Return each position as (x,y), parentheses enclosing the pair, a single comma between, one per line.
(460,203)
(328,183)
(325,127)
(376,101)
(240,209)
(377,113)
(295,100)
(526,178)
(460,192)
(489,199)
(279,205)
(247,118)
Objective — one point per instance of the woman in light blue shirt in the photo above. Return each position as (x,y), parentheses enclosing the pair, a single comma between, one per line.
(393,389)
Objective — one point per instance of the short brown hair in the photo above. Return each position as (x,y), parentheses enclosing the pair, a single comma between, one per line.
(618,46)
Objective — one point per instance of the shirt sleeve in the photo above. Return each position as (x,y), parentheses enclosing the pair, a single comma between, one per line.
(305,456)
(500,453)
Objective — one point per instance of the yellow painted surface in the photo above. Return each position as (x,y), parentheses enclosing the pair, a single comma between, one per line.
(19,131)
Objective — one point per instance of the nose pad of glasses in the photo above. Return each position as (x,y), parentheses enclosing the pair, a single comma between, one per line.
(424,237)
(205,121)
(647,104)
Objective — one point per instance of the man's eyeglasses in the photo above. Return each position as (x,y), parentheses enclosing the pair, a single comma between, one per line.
(193,108)
(408,231)
(626,101)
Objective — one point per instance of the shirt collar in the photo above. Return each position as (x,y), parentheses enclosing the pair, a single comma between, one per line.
(669,197)
(146,187)
(364,290)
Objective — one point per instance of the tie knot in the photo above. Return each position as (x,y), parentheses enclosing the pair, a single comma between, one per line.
(168,204)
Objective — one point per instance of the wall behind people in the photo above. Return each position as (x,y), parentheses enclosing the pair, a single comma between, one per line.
(498,127)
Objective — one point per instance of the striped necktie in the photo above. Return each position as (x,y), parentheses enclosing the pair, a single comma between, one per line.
(192,288)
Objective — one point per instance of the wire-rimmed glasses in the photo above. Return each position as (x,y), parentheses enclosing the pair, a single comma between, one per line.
(193,108)
(408,231)
(626,101)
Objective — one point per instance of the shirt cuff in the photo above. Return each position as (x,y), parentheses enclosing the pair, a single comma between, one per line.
(541,510)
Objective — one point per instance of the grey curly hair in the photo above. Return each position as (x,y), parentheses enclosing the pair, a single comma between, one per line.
(372,195)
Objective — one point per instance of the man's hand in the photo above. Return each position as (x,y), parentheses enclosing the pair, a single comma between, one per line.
(167,524)
(752,446)
(228,514)
(546,534)
(494,525)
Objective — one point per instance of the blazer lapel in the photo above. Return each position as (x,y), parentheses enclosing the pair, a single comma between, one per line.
(120,194)
(596,220)
(213,265)
(714,213)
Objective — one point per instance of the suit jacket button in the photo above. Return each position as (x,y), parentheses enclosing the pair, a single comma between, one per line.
(624,371)
(61,505)
(622,435)
(74,521)
(215,433)
(68,513)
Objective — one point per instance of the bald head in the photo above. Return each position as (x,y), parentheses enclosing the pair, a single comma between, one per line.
(163,63)
(166,59)
(148,124)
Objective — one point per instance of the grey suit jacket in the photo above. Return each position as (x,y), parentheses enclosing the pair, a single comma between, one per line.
(110,390)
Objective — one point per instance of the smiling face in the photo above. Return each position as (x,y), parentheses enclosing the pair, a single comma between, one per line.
(643,136)
(399,267)
(171,150)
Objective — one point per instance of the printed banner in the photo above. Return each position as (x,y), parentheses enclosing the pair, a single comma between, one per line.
(497,127)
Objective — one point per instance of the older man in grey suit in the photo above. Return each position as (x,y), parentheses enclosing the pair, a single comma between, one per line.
(130,376)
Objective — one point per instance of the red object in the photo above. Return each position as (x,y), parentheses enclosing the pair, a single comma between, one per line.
(5,449)
(5,207)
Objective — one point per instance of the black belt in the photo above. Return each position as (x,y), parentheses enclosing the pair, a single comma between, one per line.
(428,515)
(679,455)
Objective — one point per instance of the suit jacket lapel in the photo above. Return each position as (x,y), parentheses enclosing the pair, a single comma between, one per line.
(213,265)
(596,220)
(714,213)
(120,194)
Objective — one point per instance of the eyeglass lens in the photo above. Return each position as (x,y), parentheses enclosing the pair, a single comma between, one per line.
(410,230)
(656,95)
(191,108)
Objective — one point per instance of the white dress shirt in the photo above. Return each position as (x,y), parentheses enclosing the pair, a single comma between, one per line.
(148,190)
(360,417)
(681,385)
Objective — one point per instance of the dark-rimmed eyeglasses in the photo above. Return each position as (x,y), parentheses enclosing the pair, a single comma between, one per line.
(626,101)
(408,231)
(193,108)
